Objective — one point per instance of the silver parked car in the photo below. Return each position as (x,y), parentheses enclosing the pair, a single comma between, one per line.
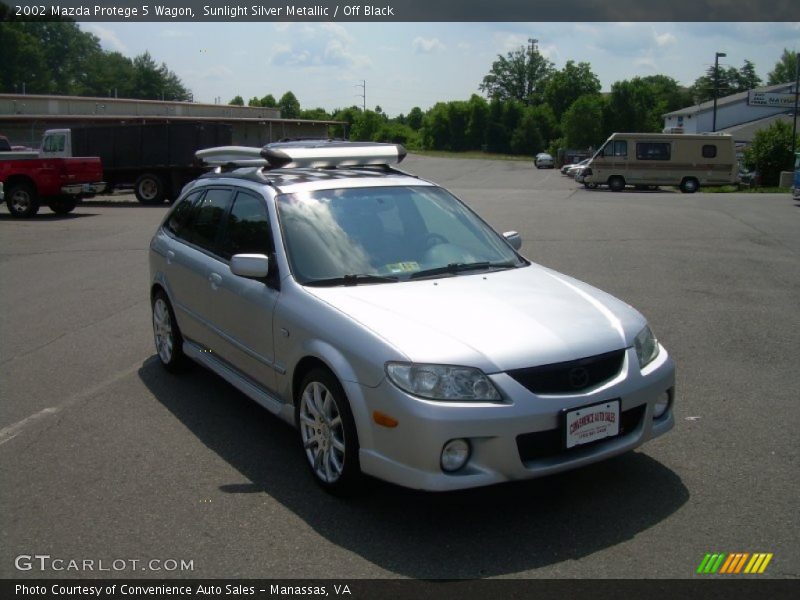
(402,336)
(543,161)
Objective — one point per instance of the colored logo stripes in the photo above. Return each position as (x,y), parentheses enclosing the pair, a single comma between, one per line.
(734,563)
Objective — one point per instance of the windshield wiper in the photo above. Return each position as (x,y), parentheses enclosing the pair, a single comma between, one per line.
(353,279)
(454,268)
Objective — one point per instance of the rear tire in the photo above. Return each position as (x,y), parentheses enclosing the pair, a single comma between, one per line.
(22,200)
(328,433)
(689,185)
(616,183)
(149,189)
(167,335)
(62,206)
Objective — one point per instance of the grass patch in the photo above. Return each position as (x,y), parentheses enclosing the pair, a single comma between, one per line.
(727,189)
(474,154)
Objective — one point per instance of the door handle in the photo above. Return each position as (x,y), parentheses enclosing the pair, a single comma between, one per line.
(170,256)
(215,279)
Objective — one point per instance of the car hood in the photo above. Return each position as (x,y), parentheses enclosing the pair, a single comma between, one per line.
(495,321)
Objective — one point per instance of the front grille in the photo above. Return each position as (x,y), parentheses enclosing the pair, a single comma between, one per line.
(571,376)
(544,444)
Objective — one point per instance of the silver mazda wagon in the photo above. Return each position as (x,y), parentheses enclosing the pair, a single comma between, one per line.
(402,336)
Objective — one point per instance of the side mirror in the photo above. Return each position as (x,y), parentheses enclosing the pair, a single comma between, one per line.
(513,238)
(252,266)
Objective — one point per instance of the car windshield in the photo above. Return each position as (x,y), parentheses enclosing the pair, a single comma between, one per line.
(353,236)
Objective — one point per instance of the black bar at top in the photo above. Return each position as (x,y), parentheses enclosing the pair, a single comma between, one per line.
(407,10)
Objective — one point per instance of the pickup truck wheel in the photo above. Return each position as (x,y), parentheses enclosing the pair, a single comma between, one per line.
(62,206)
(22,200)
(149,189)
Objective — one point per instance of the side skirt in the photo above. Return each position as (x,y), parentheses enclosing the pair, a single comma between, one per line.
(241,382)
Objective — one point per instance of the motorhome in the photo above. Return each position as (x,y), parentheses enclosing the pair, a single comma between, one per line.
(656,159)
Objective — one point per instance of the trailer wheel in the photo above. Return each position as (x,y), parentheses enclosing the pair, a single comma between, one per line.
(22,200)
(689,185)
(149,189)
(62,205)
(616,183)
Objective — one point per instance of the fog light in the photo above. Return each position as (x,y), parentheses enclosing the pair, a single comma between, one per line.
(661,406)
(455,455)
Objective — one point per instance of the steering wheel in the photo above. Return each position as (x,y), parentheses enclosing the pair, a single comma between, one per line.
(434,239)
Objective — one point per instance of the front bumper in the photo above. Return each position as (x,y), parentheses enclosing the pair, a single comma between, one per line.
(514,440)
(75,189)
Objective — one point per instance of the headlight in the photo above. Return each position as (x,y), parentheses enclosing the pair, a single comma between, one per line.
(442,382)
(646,347)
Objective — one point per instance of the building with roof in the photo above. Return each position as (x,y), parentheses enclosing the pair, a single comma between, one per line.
(740,115)
(25,117)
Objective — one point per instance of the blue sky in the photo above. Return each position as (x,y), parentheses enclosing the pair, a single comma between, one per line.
(418,64)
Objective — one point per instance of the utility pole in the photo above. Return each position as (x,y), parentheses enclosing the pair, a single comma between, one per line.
(796,93)
(717,56)
(363,86)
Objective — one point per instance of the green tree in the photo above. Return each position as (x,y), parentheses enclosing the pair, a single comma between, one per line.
(414,118)
(24,62)
(289,106)
(366,126)
(784,70)
(633,105)
(269,101)
(730,81)
(583,122)
(546,122)
(520,75)
(567,85)
(349,115)
(497,136)
(237,101)
(315,114)
(110,74)
(435,130)
(747,77)
(771,152)
(254,101)
(526,137)
(477,121)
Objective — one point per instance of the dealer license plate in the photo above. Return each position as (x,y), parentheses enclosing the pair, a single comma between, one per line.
(591,423)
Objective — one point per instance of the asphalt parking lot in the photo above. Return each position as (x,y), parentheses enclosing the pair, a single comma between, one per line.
(104,456)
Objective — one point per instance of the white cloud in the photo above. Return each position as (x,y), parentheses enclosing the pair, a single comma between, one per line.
(423,45)
(665,39)
(312,45)
(108,38)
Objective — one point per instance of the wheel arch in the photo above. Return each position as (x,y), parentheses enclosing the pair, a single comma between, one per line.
(319,354)
(17,179)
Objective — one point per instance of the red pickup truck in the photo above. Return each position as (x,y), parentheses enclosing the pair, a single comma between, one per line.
(58,182)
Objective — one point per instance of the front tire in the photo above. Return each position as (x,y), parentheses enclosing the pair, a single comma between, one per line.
(167,335)
(22,200)
(149,189)
(328,432)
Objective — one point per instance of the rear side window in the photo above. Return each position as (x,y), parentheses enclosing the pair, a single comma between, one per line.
(709,151)
(248,230)
(204,225)
(181,214)
(653,150)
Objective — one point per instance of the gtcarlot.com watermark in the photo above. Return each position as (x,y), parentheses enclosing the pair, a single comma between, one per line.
(47,563)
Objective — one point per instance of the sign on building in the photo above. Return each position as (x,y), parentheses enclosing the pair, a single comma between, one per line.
(773,99)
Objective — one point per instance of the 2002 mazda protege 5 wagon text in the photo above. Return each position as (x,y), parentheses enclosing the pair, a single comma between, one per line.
(401,335)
